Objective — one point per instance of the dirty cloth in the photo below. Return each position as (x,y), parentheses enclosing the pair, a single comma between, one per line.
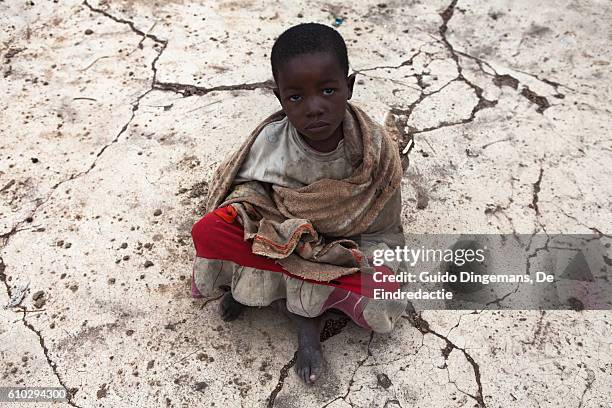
(224,261)
(313,227)
(279,156)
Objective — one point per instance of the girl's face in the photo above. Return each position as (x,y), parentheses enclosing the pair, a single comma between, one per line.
(313,92)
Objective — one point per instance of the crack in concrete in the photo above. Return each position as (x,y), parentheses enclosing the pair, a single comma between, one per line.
(403,115)
(594,229)
(40,202)
(451,381)
(537,331)
(4,278)
(504,80)
(422,325)
(41,340)
(123,21)
(446,15)
(534,205)
(535,252)
(459,321)
(69,392)
(533,97)
(284,371)
(556,85)
(498,300)
(536,191)
(160,47)
(409,61)
(183,89)
(498,79)
(352,380)
(395,81)
(207,301)
(188,90)
(394,401)
(501,80)
(590,380)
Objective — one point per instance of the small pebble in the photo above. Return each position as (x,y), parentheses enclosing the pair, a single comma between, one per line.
(89,31)
(157,212)
(34,160)
(111,281)
(39,303)
(383,381)
(38,295)
(148,264)
(124,245)
(129,332)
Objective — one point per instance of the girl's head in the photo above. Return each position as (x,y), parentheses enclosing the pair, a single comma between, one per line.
(310,68)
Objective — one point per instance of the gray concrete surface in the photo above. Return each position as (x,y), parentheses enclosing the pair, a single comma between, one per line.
(112,110)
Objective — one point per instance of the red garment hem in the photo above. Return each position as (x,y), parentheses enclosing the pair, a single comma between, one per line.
(218,236)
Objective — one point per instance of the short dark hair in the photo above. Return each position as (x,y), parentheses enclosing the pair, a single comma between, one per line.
(308,38)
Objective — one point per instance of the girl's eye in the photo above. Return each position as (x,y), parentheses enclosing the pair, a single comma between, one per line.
(294,98)
(328,91)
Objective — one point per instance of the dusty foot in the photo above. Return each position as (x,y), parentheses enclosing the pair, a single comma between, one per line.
(309,355)
(309,364)
(229,308)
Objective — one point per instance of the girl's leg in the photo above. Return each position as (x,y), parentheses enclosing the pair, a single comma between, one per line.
(217,237)
(230,308)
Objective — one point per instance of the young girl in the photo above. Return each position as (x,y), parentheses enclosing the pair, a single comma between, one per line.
(295,213)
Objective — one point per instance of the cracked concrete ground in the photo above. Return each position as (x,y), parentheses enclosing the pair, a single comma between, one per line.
(112,111)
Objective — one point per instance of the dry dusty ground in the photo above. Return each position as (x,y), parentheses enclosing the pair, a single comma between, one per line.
(113,110)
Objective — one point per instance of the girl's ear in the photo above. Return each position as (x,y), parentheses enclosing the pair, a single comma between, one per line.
(350,82)
(277,94)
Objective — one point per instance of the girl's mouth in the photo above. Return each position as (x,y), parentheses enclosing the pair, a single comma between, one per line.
(317,126)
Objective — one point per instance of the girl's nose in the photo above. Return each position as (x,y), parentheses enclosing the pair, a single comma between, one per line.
(314,107)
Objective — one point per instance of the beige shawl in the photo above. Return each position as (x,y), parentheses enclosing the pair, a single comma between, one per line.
(306,228)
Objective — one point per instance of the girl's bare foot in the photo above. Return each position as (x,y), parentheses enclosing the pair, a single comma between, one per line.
(309,354)
(229,308)
(309,362)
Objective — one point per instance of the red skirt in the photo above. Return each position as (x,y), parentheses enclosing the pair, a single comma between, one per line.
(224,258)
